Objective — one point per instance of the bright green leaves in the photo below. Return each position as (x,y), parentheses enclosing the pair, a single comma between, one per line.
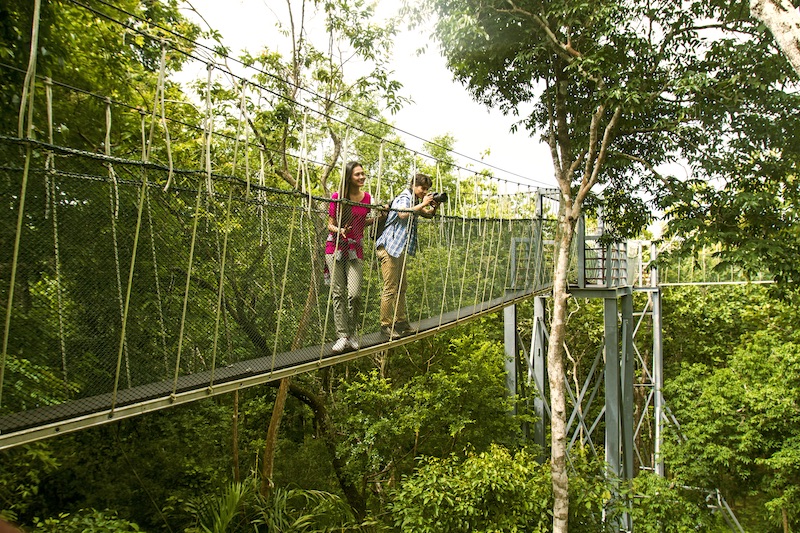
(461,401)
(662,507)
(491,491)
(740,420)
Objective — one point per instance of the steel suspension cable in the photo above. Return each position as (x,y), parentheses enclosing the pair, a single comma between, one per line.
(220,291)
(128,298)
(450,247)
(424,296)
(340,205)
(157,283)
(223,260)
(207,132)
(483,228)
(464,271)
(373,255)
(489,262)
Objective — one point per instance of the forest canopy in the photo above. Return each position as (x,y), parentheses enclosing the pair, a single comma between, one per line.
(157,234)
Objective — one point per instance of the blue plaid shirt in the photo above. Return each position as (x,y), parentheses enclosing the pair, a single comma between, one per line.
(397,230)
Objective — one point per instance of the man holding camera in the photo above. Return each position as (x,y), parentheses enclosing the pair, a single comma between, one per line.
(396,243)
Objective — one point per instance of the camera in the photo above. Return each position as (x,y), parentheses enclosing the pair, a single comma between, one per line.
(440,197)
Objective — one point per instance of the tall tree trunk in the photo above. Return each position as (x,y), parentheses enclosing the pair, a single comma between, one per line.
(556,378)
(268,463)
(356,498)
(783,20)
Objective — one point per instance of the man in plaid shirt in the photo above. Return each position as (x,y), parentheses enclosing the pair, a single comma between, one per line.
(396,243)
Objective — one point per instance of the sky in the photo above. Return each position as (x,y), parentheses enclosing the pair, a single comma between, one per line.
(440,105)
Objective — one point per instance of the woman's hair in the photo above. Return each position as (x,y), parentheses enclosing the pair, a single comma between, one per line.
(348,175)
(347,214)
(420,179)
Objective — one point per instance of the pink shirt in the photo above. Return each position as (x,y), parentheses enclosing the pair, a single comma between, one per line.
(355,234)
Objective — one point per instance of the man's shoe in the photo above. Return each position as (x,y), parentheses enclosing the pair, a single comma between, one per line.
(340,345)
(389,333)
(353,342)
(405,329)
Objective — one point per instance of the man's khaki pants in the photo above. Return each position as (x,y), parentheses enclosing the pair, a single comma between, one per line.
(394,288)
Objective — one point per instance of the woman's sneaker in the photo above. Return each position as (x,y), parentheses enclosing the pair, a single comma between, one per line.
(340,345)
(353,342)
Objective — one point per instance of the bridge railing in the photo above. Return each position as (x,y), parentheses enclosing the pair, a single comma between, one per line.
(124,290)
(599,264)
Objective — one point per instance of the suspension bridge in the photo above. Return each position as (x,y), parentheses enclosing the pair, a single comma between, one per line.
(150,263)
(130,298)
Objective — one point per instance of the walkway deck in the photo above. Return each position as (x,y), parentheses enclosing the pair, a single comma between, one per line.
(43,422)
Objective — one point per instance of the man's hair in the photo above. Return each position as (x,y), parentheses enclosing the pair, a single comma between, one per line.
(421,179)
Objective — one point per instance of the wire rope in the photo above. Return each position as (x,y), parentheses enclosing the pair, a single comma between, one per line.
(223,260)
(304,177)
(373,258)
(220,291)
(207,133)
(123,342)
(313,94)
(483,228)
(157,284)
(424,296)
(450,248)
(464,272)
(283,291)
(114,202)
(49,164)
(349,109)
(151,227)
(51,196)
(27,99)
(489,262)
(182,327)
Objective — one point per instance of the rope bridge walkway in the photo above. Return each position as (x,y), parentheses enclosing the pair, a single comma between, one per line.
(128,297)
(165,244)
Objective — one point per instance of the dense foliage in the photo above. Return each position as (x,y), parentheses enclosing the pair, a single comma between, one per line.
(420,438)
(738,404)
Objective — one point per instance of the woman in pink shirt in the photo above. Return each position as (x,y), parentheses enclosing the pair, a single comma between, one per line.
(344,254)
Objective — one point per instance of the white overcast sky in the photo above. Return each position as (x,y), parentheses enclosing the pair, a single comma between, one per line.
(439,105)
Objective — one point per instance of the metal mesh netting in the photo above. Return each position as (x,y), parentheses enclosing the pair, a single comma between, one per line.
(125,292)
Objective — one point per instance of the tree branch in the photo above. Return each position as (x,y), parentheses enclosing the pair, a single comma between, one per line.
(783,20)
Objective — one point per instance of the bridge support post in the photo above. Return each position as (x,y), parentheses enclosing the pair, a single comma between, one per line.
(537,374)
(627,421)
(612,384)
(511,349)
(618,348)
(658,364)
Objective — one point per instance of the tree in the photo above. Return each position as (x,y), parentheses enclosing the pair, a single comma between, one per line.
(738,410)
(616,89)
(783,20)
(491,491)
